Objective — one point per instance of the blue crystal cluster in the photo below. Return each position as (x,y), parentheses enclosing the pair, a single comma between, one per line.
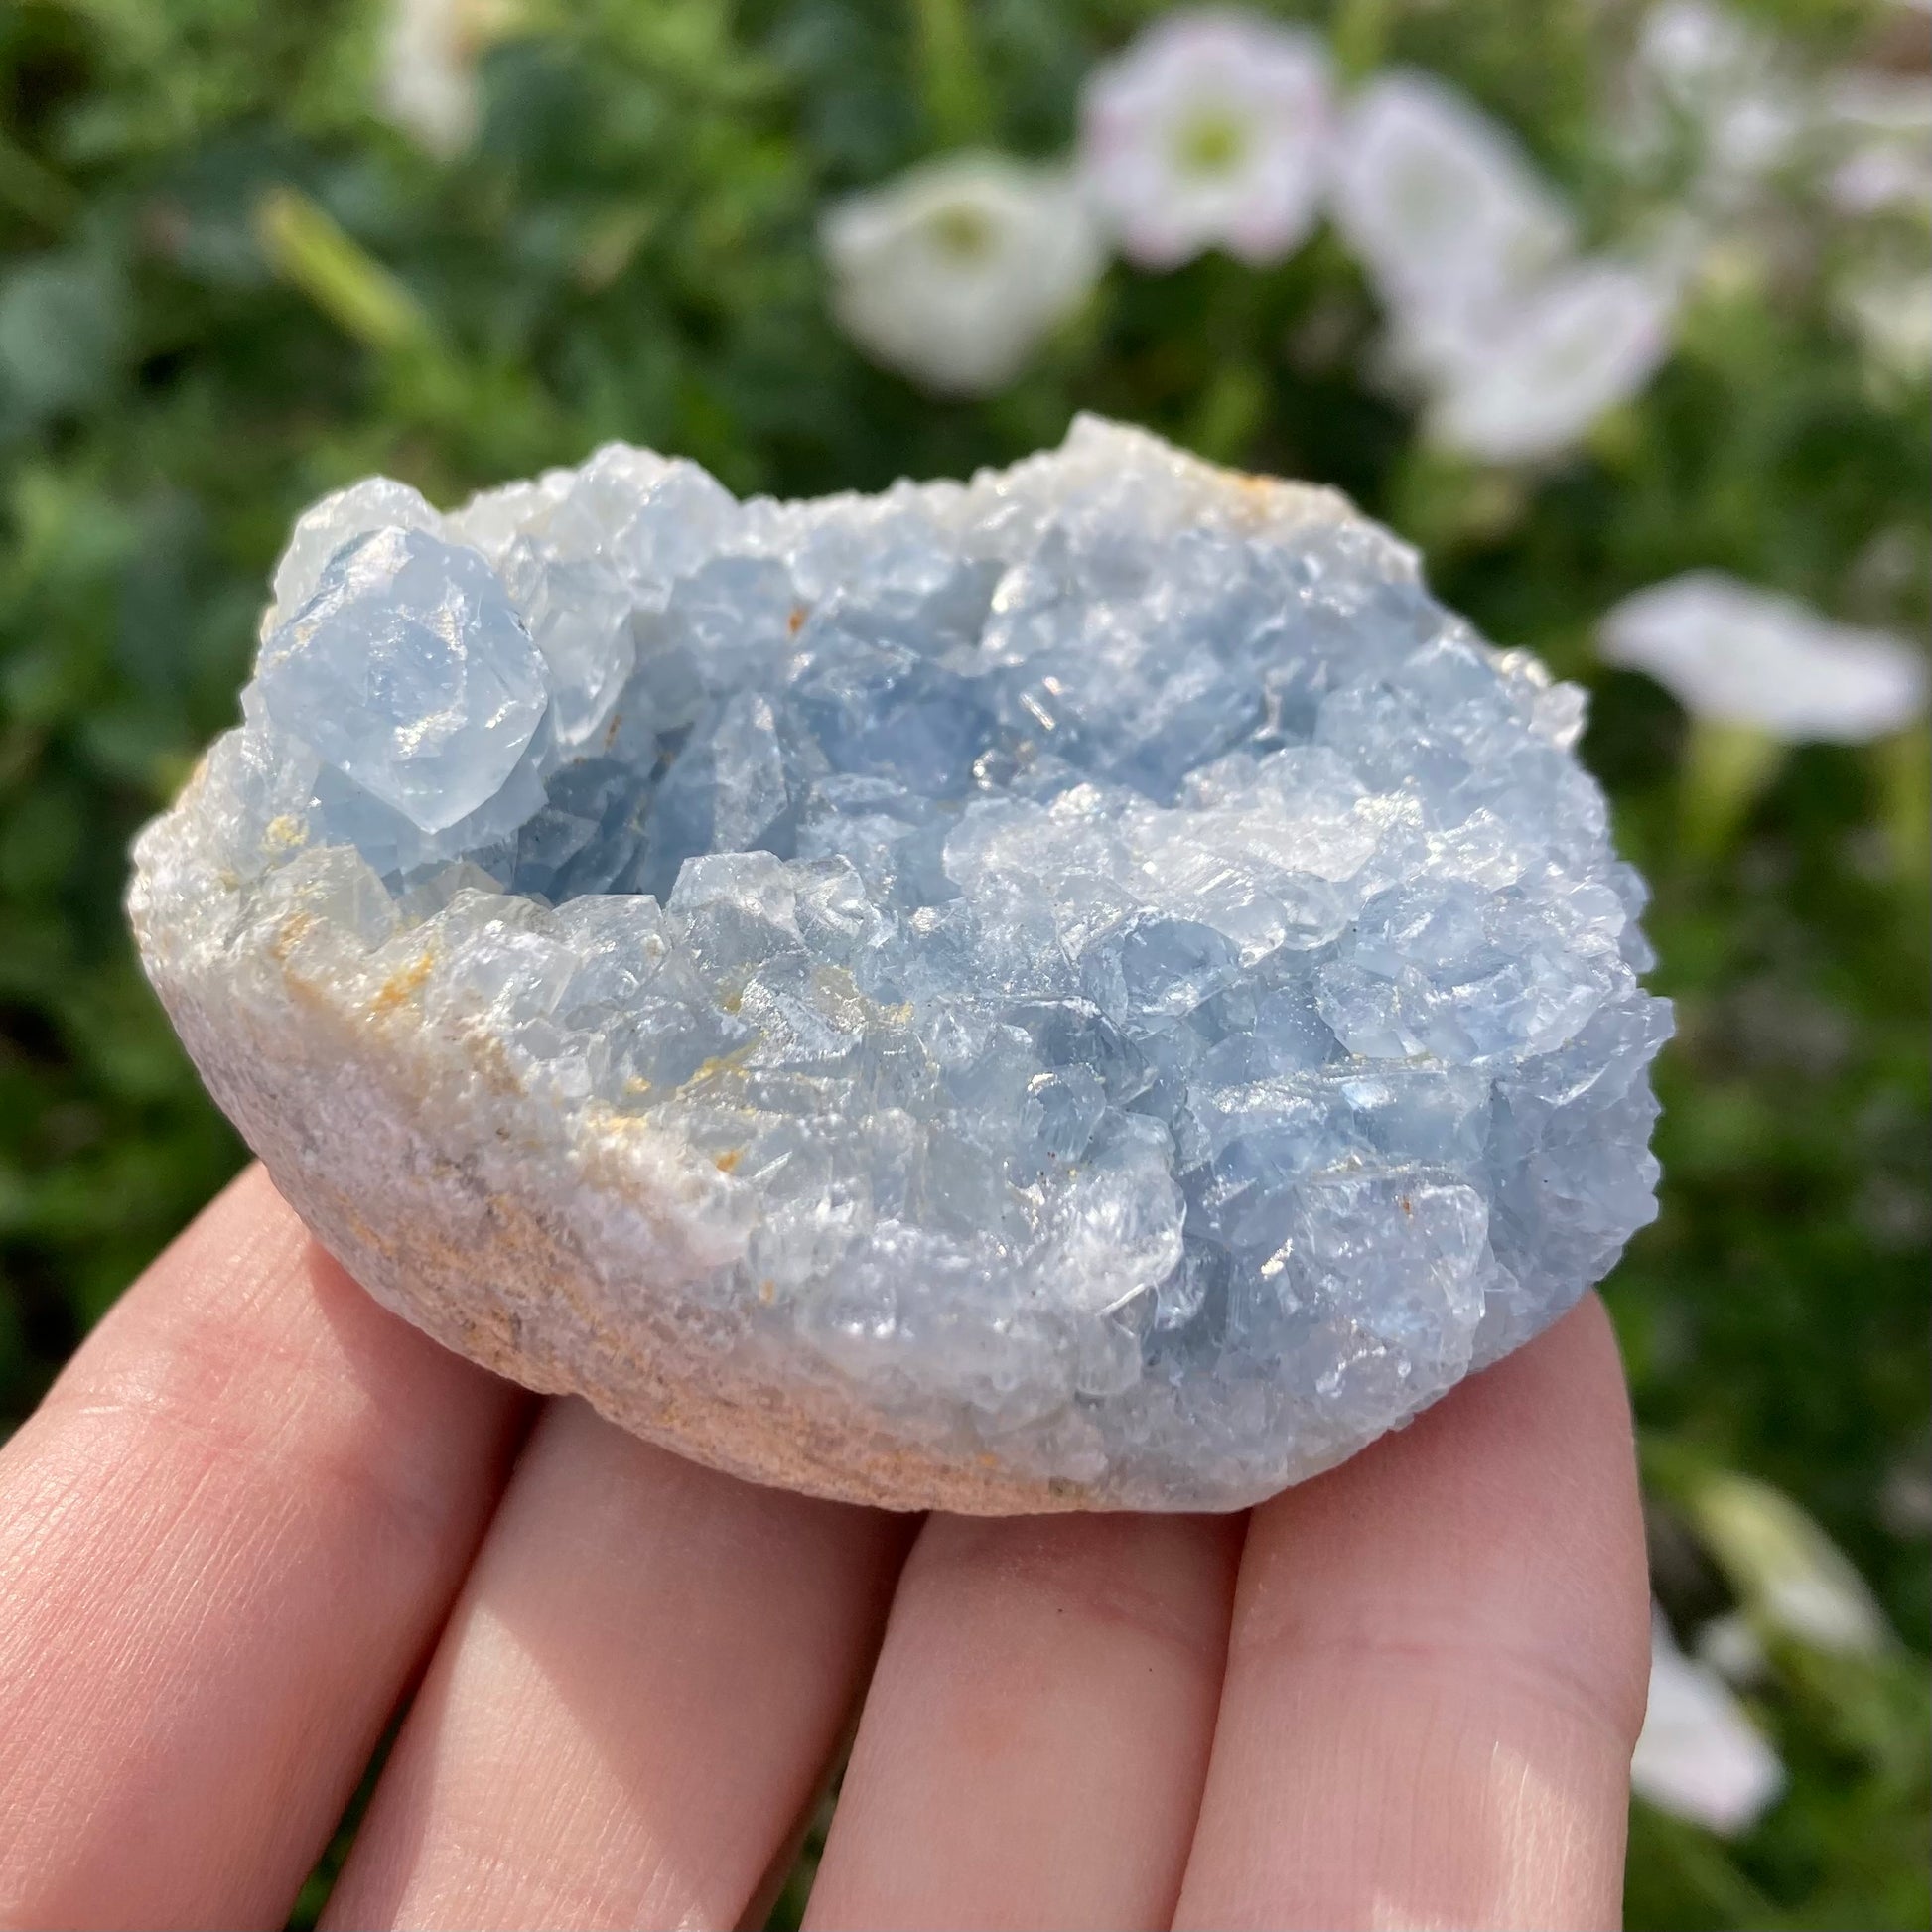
(1159,981)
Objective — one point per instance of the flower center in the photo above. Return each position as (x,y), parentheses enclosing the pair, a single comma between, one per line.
(963,233)
(1211,141)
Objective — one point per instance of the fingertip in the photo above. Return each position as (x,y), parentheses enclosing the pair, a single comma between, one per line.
(1437,1667)
(1510,1505)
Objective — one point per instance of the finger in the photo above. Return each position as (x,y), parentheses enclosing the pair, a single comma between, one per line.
(225,1540)
(636,1700)
(1034,1742)
(1437,1669)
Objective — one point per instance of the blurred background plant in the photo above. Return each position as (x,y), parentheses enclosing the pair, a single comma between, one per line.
(1623,314)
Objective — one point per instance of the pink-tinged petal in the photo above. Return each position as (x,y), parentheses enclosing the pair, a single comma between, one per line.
(1261,88)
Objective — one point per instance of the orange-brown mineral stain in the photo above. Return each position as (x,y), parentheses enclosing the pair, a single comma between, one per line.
(403,983)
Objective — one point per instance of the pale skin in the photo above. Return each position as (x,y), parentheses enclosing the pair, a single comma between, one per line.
(257,1516)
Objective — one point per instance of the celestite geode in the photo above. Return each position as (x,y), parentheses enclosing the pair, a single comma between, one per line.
(1084,988)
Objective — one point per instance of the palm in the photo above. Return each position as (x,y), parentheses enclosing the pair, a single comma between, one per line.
(256,1506)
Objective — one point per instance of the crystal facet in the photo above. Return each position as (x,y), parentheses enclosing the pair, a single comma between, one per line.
(1084,988)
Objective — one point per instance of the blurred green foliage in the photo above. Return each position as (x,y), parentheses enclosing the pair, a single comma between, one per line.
(225,288)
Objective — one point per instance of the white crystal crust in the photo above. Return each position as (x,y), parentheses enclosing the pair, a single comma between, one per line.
(1085,988)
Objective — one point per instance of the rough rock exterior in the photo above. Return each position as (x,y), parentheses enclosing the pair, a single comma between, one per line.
(1082,989)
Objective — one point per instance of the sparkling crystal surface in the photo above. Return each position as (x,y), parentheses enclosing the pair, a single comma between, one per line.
(1122,989)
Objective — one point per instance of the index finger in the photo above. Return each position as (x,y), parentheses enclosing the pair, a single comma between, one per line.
(1437,1669)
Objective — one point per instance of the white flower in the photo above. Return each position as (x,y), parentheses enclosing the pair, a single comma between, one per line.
(1791,1576)
(1441,205)
(1212,130)
(1733,1648)
(1517,347)
(953,273)
(1700,1757)
(1890,307)
(427,79)
(1881,124)
(1739,655)
(1701,74)
(1524,378)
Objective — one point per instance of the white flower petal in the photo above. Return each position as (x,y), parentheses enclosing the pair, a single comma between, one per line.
(1701,72)
(954,273)
(1211,130)
(1890,307)
(1441,205)
(1739,655)
(1881,125)
(1732,1649)
(1526,377)
(427,72)
(1790,1574)
(1700,1757)
(1692,49)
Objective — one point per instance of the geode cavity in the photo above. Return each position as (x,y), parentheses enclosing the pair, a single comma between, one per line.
(1085,988)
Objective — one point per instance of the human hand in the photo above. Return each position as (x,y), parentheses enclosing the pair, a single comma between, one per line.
(257,1515)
